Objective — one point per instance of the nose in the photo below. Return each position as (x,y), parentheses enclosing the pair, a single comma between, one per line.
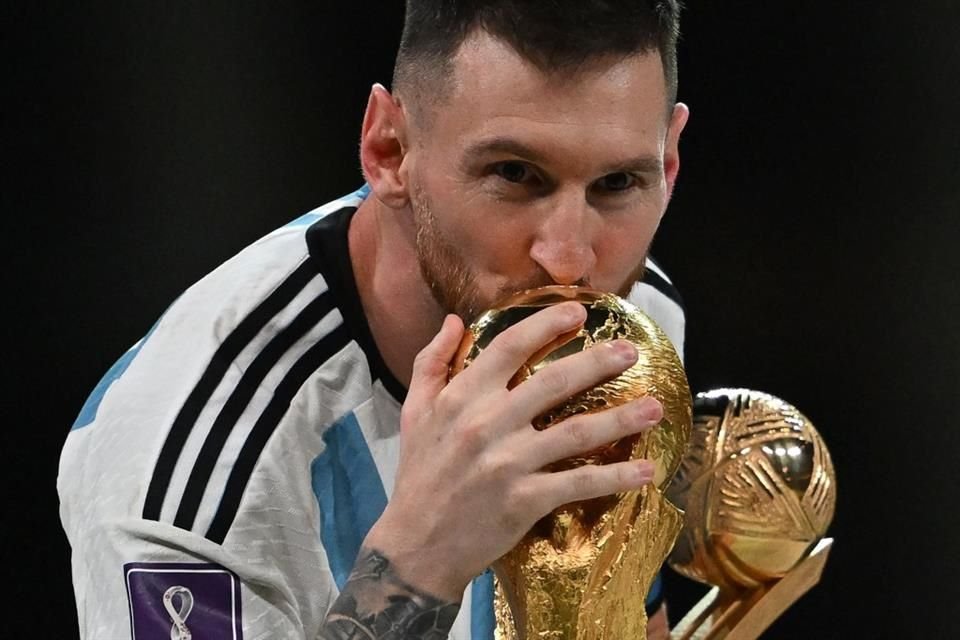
(563,245)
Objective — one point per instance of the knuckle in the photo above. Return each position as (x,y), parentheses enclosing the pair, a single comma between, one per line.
(500,468)
(408,416)
(510,520)
(472,434)
(451,398)
(516,509)
(554,380)
(427,363)
(626,420)
(511,344)
(579,434)
(583,483)
(538,503)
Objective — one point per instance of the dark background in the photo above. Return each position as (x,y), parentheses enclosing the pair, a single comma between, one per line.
(812,234)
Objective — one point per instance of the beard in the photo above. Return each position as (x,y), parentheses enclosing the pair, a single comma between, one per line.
(454,285)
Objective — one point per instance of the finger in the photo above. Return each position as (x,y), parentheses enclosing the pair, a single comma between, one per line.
(430,367)
(511,349)
(583,433)
(590,481)
(569,375)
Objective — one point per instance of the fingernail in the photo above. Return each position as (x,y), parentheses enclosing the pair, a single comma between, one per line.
(651,409)
(625,351)
(645,471)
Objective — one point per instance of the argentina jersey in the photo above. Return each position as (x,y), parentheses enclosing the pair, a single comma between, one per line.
(224,484)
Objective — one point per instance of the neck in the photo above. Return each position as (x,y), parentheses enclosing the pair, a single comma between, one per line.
(402,314)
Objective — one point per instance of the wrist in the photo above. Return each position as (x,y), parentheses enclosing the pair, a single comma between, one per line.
(376,603)
(418,562)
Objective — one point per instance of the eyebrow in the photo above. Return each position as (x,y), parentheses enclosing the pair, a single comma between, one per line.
(645,163)
(504,145)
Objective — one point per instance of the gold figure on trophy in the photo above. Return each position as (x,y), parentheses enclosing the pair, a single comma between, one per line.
(583,572)
(759,491)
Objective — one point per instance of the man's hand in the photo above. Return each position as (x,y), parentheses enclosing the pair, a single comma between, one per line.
(470,481)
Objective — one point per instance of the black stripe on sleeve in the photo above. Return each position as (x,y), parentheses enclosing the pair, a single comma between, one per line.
(239,398)
(266,424)
(248,328)
(659,283)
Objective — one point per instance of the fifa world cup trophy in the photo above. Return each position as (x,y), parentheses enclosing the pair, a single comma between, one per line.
(584,570)
(759,490)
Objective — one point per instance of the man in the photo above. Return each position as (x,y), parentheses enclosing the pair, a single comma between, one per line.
(230,475)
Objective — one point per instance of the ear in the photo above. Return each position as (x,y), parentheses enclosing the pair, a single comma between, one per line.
(671,152)
(383,148)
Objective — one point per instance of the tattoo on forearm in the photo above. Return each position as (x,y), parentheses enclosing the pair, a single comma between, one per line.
(376,605)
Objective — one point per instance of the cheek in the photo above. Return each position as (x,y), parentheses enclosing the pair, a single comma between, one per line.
(484,239)
(497,247)
(623,248)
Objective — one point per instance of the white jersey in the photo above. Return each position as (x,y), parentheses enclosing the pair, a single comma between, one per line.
(221,477)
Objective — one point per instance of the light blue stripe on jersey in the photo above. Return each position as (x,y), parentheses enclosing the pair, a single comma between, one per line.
(362,192)
(482,622)
(351,498)
(350,494)
(312,216)
(88,413)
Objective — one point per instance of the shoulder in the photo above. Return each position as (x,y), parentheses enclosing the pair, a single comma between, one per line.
(197,395)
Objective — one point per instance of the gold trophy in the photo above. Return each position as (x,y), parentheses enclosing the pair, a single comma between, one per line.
(759,490)
(583,571)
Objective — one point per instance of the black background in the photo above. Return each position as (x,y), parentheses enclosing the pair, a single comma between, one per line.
(813,235)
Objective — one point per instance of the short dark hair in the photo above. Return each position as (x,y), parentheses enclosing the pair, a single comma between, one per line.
(554,35)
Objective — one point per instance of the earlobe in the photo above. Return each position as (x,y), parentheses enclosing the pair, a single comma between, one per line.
(671,153)
(383,148)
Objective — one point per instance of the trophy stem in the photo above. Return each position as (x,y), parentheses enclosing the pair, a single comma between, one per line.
(745,615)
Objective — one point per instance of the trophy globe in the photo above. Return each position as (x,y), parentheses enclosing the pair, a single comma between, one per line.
(584,570)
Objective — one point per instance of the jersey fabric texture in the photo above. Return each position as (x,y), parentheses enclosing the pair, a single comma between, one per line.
(250,439)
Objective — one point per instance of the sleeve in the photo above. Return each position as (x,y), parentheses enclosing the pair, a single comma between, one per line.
(209,386)
(143,579)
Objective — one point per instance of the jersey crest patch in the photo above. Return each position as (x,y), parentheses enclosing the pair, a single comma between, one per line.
(182,601)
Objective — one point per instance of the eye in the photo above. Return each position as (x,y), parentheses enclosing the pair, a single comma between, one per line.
(620,181)
(515,172)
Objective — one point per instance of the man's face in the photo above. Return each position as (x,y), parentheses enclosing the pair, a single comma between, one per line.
(519,179)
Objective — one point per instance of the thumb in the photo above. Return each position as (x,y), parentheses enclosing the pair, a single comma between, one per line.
(431,366)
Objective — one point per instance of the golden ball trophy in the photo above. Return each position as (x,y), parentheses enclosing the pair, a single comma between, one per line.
(759,491)
(583,571)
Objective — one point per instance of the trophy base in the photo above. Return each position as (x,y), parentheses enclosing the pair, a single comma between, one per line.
(746,614)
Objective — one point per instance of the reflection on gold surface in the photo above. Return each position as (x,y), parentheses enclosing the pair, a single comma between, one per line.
(583,571)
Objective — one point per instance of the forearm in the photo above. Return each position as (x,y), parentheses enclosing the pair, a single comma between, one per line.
(376,603)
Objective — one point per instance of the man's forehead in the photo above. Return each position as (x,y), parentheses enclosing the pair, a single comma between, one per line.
(485,58)
(494,89)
